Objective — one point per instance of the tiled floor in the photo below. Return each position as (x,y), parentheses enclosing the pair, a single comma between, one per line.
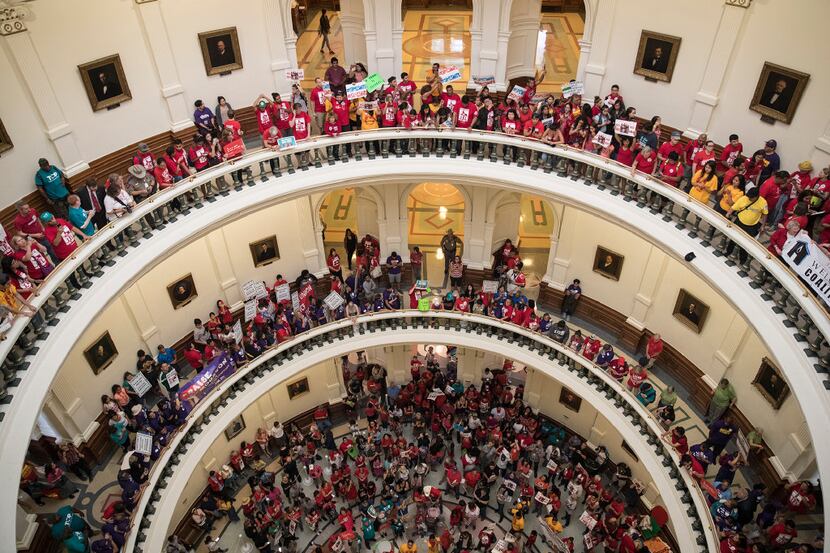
(436,36)
(558,49)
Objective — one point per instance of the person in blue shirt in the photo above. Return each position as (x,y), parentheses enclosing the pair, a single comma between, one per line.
(166,355)
(646,394)
(51,184)
(80,217)
(67,518)
(605,356)
(391,299)
(204,118)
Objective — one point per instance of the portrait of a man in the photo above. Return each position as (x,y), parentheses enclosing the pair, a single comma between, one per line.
(656,56)
(264,251)
(220,51)
(778,92)
(690,311)
(608,263)
(182,292)
(769,382)
(104,82)
(101,353)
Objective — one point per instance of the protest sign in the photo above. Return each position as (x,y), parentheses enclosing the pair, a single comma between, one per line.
(421,284)
(552,466)
(333,300)
(541,498)
(810,263)
(625,128)
(286,142)
(295,301)
(143,443)
(208,378)
(254,289)
(485,80)
(140,384)
(283,292)
(491,286)
(449,74)
(603,139)
(356,90)
(548,121)
(172,378)
(237,331)
(586,519)
(509,484)
(517,93)
(294,74)
(250,310)
(369,106)
(373,82)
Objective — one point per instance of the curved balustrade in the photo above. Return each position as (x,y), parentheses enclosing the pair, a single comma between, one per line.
(692,522)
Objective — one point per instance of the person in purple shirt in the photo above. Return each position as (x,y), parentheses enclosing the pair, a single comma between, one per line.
(336,76)
(204,119)
(721,433)
(393,271)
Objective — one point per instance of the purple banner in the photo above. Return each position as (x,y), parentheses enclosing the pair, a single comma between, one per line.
(208,378)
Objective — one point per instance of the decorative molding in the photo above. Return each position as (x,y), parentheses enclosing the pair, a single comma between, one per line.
(144,1)
(11,21)
(739,3)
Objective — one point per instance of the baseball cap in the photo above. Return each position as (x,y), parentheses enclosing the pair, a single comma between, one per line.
(46,216)
(142,147)
(771,144)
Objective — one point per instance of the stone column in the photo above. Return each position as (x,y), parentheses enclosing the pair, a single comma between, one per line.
(383,29)
(354,40)
(306,218)
(524,35)
(158,42)
(594,45)
(728,349)
(25,57)
(733,16)
(560,257)
(134,303)
(478,232)
(282,45)
(490,34)
(650,283)
(223,267)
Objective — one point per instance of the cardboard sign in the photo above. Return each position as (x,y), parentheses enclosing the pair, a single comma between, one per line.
(143,443)
(250,310)
(356,90)
(586,519)
(140,384)
(422,285)
(603,139)
(449,74)
(237,331)
(541,498)
(283,292)
(234,148)
(333,300)
(369,106)
(491,286)
(373,82)
(517,93)
(295,301)
(510,485)
(294,74)
(625,128)
(552,466)
(172,378)
(254,289)
(484,81)
(286,142)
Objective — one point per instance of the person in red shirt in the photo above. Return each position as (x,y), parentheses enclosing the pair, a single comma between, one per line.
(281,114)
(176,158)
(672,170)
(462,303)
(591,347)
(780,236)
(232,124)
(781,534)
(673,145)
(301,124)
(677,438)
(63,235)
(534,128)
(33,254)
(388,112)
(318,103)
(730,153)
(731,544)
(702,156)
(772,188)
(262,111)
(824,231)
(332,128)
(464,116)
(144,157)
(406,85)
(270,140)
(645,162)
(199,153)
(654,347)
(450,99)
(162,174)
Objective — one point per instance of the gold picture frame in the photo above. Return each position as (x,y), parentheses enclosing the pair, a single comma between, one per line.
(690,311)
(607,263)
(182,291)
(105,83)
(652,61)
(770,384)
(297,388)
(776,103)
(264,251)
(101,353)
(235,428)
(220,51)
(570,400)
(6,143)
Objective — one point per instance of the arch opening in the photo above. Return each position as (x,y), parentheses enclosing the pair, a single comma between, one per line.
(433,209)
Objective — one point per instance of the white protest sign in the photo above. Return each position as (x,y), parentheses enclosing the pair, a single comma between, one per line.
(356,90)
(603,139)
(295,301)
(283,292)
(294,74)
(510,485)
(369,106)
(172,378)
(434,395)
(625,128)
(254,289)
(517,93)
(140,384)
(578,87)
(333,300)
(500,547)
(484,81)
(143,443)
(237,331)
(810,263)
(541,498)
(548,121)
(491,286)
(286,142)
(552,466)
(449,74)
(586,519)
(250,310)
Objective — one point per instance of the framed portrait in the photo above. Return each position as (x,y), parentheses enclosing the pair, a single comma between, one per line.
(771,384)
(220,51)
(690,311)
(297,388)
(264,251)
(5,141)
(235,428)
(778,92)
(570,399)
(105,83)
(656,56)
(608,263)
(182,291)
(101,353)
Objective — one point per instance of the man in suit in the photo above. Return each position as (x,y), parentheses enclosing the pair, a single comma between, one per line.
(778,96)
(658,61)
(92,199)
(222,54)
(105,88)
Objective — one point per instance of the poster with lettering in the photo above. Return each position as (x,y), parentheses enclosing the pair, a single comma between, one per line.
(809,262)
(369,106)
(237,331)
(422,285)
(295,301)
(552,466)
(510,485)
(172,378)
(541,498)
(573,88)
(625,128)
(491,286)
(143,443)
(586,519)
(220,368)
(305,295)
(549,121)
(254,289)
(286,142)
(373,82)
(449,74)
(356,90)
(484,80)
(250,310)
(294,74)
(333,300)
(603,139)
(517,93)
(140,384)
(283,292)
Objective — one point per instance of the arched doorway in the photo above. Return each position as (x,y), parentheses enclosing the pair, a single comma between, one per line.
(561,29)
(432,209)
(338,212)
(440,34)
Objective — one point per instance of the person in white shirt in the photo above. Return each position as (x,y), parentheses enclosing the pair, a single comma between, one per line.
(118,202)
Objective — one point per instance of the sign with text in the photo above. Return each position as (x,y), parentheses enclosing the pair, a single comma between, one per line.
(810,263)
(491,286)
(254,289)
(573,88)
(586,519)
(333,300)
(237,331)
(603,139)
(294,74)
(484,80)
(517,93)
(208,378)
(625,128)
(295,301)
(422,285)
(286,142)
(250,310)
(283,292)
(140,384)
(369,106)
(172,378)
(449,74)
(373,82)
(356,90)
(143,443)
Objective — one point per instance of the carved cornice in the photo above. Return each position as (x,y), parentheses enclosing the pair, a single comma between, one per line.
(11,21)
(144,1)
(739,3)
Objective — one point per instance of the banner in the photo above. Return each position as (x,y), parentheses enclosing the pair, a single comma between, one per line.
(140,384)
(208,378)
(143,443)
(484,81)
(250,310)
(449,74)
(625,128)
(372,82)
(517,93)
(294,74)
(491,286)
(356,90)
(603,139)
(254,289)
(807,260)
(286,142)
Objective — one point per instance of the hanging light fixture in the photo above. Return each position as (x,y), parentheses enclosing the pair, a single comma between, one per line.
(442,212)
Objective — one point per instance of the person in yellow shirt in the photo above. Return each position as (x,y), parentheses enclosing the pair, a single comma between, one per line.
(751,215)
(554,525)
(730,193)
(368,120)
(409,547)
(704,182)
(433,544)
(518,512)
